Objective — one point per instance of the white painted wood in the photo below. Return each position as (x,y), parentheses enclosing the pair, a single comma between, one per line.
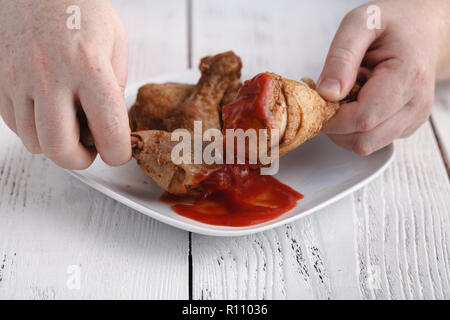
(289,37)
(290,262)
(50,221)
(389,240)
(157,32)
(403,224)
(441,119)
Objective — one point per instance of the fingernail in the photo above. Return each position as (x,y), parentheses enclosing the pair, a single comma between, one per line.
(329,87)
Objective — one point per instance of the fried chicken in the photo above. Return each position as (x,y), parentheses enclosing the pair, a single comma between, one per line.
(155,102)
(152,149)
(165,108)
(218,74)
(171,106)
(269,101)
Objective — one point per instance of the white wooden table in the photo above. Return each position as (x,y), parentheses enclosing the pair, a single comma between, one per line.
(389,240)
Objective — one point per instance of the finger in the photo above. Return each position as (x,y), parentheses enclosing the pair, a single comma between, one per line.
(7,113)
(103,102)
(59,132)
(382,96)
(119,58)
(347,50)
(411,129)
(382,50)
(421,116)
(25,123)
(365,143)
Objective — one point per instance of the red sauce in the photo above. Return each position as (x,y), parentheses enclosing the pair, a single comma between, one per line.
(236,196)
(250,109)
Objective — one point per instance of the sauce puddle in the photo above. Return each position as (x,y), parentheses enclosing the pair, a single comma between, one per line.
(236,196)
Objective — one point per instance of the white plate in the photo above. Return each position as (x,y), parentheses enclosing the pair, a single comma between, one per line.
(321,171)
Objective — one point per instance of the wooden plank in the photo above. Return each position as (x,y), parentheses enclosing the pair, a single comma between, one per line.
(403,223)
(289,37)
(303,260)
(157,31)
(388,240)
(441,120)
(51,222)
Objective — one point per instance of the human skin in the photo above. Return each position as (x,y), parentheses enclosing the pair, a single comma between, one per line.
(47,71)
(400,62)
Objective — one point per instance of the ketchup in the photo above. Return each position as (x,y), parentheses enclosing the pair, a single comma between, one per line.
(237,196)
(250,108)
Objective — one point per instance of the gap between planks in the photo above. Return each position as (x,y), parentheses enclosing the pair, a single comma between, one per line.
(189,63)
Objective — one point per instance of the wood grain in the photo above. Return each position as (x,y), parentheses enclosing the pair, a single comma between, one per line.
(290,262)
(389,240)
(49,221)
(403,225)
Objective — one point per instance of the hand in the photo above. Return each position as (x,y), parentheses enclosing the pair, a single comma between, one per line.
(48,72)
(398,63)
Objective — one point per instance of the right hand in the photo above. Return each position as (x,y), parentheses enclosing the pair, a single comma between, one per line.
(399,62)
(48,72)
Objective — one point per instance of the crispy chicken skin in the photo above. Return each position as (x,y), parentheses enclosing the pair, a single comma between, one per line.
(307,112)
(292,107)
(231,92)
(152,149)
(218,74)
(156,102)
(170,106)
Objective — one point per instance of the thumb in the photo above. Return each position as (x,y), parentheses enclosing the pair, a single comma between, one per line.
(346,53)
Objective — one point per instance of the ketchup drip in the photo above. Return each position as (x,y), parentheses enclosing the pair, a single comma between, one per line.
(235,195)
(249,110)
